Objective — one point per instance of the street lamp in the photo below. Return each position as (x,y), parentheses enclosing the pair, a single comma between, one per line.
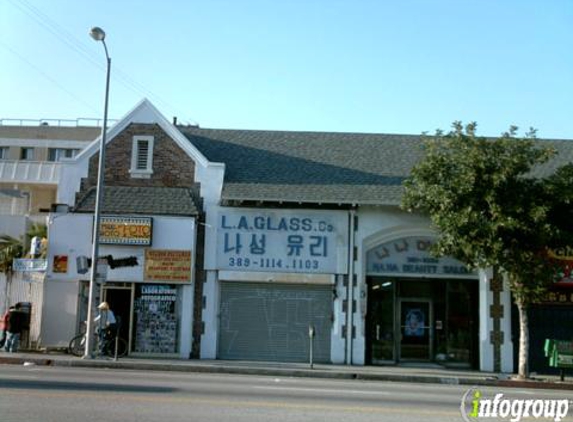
(97,34)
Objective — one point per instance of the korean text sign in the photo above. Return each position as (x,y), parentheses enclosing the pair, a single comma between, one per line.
(282,241)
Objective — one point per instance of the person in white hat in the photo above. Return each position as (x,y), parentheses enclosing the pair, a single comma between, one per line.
(106,323)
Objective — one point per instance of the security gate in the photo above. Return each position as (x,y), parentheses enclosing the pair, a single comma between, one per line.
(271,322)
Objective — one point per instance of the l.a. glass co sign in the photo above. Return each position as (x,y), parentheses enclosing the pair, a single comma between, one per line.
(125,231)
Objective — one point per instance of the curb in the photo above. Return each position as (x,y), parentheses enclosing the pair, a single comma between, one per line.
(284,372)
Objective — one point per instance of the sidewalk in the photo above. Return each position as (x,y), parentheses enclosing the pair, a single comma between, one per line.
(403,373)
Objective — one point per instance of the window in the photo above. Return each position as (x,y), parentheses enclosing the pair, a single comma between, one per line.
(3,153)
(142,157)
(142,154)
(56,154)
(27,154)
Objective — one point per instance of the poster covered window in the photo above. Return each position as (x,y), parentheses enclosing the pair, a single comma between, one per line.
(156,319)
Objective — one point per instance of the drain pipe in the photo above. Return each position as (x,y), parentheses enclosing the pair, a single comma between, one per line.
(350,288)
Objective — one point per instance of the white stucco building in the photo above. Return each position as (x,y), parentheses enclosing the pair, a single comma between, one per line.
(285,232)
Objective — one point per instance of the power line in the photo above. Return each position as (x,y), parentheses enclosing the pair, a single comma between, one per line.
(79,47)
(48,77)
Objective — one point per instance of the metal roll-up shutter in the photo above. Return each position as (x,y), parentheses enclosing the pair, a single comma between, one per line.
(270,321)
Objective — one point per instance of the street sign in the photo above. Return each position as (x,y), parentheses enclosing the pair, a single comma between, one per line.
(27,265)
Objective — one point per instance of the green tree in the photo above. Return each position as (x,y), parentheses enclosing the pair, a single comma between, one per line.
(37,229)
(10,248)
(490,212)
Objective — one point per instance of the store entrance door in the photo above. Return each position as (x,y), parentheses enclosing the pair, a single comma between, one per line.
(416,329)
(380,345)
(120,302)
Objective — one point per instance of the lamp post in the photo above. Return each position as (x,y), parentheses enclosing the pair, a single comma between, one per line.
(99,35)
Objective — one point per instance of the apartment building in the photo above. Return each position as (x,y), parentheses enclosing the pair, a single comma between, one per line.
(31,153)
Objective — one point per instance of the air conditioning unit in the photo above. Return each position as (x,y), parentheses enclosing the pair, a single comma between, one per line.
(82,264)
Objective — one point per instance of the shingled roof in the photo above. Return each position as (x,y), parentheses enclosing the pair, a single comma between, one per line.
(320,167)
(141,200)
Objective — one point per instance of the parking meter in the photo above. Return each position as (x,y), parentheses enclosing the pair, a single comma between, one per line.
(310,332)
(311,344)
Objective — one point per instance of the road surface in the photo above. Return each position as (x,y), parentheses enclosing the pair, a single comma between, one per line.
(58,394)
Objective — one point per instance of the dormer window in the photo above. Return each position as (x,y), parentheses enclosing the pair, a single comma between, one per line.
(142,157)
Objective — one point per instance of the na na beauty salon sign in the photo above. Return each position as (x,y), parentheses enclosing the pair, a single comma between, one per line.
(411,256)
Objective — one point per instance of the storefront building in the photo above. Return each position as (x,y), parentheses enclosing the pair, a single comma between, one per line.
(394,303)
(155,183)
(421,308)
(549,318)
(149,290)
(291,233)
(273,276)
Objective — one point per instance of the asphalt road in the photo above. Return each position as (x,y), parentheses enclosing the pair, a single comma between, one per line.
(57,394)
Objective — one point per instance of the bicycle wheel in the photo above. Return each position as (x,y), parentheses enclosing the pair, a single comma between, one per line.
(121,347)
(77,345)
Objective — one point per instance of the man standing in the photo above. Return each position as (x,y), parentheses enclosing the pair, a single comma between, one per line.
(4,327)
(15,327)
(107,325)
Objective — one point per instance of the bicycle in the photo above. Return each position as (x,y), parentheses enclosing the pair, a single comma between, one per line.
(77,346)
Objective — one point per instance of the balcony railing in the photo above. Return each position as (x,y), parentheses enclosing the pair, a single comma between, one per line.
(20,171)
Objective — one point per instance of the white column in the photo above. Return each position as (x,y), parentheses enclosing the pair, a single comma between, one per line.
(361,297)
(186,321)
(507,346)
(485,322)
(337,341)
(211,293)
(359,342)
(486,325)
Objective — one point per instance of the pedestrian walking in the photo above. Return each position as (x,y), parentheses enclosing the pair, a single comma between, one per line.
(16,322)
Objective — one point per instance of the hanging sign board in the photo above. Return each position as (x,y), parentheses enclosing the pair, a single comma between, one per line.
(60,264)
(564,259)
(125,231)
(26,265)
(167,265)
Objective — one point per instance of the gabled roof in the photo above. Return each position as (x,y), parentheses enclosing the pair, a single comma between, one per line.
(139,200)
(144,112)
(320,167)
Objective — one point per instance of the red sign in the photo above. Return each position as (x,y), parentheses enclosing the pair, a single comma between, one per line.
(563,258)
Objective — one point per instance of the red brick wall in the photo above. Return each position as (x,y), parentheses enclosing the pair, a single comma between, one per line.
(172,167)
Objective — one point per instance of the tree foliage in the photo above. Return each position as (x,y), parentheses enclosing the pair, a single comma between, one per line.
(10,248)
(488,207)
(37,229)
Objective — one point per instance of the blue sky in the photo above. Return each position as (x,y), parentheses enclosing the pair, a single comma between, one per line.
(403,66)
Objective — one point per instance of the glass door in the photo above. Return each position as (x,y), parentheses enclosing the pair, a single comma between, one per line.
(380,321)
(415,329)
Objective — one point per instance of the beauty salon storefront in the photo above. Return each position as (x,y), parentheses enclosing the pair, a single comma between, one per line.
(420,308)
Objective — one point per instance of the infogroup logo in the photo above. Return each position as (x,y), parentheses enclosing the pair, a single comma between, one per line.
(476,407)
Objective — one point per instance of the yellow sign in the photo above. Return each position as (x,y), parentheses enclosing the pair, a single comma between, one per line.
(126,230)
(563,254)
(167,265)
